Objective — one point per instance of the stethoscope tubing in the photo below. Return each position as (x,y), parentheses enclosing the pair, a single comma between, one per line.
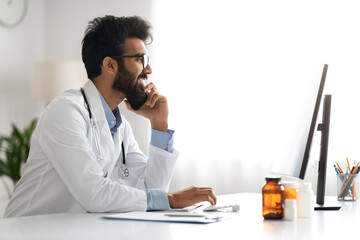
(93,125)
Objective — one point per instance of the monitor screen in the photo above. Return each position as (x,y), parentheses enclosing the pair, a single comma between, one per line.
(294,153)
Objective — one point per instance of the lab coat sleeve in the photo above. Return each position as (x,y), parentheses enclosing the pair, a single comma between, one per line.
(63,138)
(164,161)
(155,171)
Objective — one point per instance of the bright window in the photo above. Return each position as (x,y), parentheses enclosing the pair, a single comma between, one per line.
(234,72)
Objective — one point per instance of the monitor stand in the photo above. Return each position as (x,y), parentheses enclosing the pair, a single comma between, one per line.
(326,208)
(324,128)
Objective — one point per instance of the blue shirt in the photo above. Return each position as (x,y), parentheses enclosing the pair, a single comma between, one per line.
(156,198)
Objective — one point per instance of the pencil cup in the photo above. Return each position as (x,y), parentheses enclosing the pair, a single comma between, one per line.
(348,187)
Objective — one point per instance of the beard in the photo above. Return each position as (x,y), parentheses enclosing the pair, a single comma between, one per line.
(131,86)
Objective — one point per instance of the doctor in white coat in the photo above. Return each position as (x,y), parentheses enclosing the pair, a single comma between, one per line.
(83,155)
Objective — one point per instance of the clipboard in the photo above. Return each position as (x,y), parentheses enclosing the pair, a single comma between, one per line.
(166,217)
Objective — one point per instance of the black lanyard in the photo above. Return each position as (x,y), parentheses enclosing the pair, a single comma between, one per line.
(90,116)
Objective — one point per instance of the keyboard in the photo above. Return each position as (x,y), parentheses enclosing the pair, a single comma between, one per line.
(234,207)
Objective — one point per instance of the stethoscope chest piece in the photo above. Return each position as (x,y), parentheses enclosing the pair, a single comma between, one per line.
(123,172)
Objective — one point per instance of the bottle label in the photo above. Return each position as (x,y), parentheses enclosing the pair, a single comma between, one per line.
(273,205)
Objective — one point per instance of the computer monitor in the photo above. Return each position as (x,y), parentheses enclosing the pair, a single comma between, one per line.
(295,161)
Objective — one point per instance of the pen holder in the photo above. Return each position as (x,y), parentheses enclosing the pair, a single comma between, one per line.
(348,187)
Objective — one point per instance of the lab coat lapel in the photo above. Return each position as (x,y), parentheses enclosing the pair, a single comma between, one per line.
(107,144)
(118,138)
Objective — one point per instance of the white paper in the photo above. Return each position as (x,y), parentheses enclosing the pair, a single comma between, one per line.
(166,217)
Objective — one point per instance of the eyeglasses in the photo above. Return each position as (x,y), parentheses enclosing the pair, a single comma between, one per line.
(144,58)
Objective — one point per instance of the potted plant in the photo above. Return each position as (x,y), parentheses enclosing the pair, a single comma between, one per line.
(14,151)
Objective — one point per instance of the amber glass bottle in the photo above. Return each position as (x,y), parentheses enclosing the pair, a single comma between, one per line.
(273,198)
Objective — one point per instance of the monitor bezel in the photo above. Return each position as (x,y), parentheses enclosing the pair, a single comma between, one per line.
(306,156)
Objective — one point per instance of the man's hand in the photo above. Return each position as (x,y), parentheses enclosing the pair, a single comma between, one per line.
(191,196)
(155,109)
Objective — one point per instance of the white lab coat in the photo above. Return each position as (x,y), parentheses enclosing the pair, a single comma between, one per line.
(63,174)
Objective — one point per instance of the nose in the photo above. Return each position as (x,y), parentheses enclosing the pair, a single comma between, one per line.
(148,69)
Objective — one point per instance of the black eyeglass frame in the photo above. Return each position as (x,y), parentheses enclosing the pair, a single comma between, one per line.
(145,58)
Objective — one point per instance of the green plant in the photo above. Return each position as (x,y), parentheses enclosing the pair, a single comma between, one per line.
(14,151)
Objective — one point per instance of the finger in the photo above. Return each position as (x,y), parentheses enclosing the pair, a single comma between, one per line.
(203,198)
(150,93)
(151,86)
(213,196)
(150,89)
(209,194)
(211,200)
(153,98)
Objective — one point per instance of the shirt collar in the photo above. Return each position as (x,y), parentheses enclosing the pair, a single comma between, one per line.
(112,117)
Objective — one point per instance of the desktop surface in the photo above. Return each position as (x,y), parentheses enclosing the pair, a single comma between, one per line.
(247,223)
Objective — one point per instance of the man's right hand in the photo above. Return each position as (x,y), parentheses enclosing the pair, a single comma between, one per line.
(191,196)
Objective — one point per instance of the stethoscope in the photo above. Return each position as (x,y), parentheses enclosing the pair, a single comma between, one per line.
(123,171)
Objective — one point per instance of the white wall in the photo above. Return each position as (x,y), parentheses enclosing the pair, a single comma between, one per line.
(20,48)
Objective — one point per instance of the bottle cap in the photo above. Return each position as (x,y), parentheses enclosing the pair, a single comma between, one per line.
(273,178)
(289,184)
(290,202)
(306,185)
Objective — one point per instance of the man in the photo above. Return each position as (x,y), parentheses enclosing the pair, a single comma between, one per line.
(83,155)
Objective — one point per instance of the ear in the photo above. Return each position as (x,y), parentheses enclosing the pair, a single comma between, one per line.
(109,65)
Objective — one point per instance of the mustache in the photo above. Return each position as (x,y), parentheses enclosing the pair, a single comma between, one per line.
(143,76)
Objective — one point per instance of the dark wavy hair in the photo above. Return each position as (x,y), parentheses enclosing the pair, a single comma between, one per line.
(105,36)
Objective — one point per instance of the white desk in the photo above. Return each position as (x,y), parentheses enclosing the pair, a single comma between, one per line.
(248,223)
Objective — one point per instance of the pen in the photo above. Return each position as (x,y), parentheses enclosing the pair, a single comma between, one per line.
(356,168)
(347,160)
(197,208)
(340,170)
(353,183)
(337,171)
